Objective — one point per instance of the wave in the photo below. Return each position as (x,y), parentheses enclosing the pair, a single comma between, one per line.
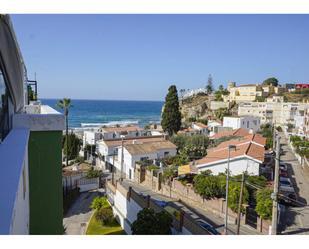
(111,123)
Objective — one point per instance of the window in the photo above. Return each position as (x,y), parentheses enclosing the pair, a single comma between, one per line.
(4,111)
(166,153)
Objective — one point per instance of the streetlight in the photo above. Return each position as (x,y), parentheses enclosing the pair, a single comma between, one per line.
(121,172)
(227,185)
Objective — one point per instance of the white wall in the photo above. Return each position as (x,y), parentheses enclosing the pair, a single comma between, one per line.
(245,122)
(125,210)
(237,167)
(20,218)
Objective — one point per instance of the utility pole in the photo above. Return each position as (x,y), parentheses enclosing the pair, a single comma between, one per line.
(276,189)
(121,172)
(227,187)
(240,201)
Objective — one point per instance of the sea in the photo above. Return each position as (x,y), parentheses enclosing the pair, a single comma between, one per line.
(85,114)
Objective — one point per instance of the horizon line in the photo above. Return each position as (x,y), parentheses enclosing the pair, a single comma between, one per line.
(106,99)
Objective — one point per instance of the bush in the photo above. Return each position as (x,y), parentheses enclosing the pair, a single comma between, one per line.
(99,202)
(191,147)
(93,173)
(80,159)
(105,215)
(153,167)
(208,186)
(234,194)
(149,222)
(264,203)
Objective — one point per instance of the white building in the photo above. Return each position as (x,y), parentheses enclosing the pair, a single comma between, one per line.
(247,157)
(91,137)
(200,127)
(107,150)
(126,131)
(213,127)
(135,152)
(272,112)
(246,122)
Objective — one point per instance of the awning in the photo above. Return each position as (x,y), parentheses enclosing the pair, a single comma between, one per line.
(187,169)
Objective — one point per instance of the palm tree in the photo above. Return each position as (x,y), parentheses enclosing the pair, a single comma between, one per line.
(65,105)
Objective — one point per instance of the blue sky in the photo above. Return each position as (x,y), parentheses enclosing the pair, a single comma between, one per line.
(136,57)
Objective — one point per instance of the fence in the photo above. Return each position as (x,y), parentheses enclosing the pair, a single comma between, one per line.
(178,223)
(187,195)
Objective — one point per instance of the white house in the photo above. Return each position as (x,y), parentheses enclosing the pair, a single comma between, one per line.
(247,156)
(135,152)
(108,149)
(91,137)
(200,127)
(126,131)
(246,122)
(213,127)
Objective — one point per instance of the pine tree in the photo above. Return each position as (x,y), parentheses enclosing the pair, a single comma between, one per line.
(209,87)
(171,116)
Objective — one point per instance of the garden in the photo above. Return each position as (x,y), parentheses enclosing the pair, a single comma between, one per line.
(103,221)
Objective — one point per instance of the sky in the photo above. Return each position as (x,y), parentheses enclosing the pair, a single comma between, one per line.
(137,57)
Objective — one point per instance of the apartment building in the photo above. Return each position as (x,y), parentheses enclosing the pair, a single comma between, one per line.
(122,131)
(241,93)
(250,123)
(250,92)
(272,112)
(30,149)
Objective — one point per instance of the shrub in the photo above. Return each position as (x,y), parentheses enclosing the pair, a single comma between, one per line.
(264,203)
(93,173)
(234,194)
(153,167)
(149,222)
(105,215)
(80,159)
(208,186)
(99,202)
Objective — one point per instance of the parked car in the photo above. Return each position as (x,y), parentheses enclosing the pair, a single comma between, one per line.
(207,227)
(285,181)
(283,173)
(283,166)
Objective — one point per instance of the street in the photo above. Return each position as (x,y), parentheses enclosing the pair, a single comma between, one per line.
(296,219)
(75,221)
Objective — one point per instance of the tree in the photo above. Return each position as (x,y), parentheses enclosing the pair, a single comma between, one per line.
(271,82)
(149,222)
(31,94)
(105,215)
(208,186)
(71,146)
(264,203)
(171,116)
(99,202)
(221,112)
(191,147)
(209,86)
(65,105)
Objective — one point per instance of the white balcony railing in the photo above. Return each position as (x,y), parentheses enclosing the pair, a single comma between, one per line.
(14,185)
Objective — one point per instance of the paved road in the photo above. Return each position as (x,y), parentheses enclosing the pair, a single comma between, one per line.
(75,221)
(296,219)
(196,212)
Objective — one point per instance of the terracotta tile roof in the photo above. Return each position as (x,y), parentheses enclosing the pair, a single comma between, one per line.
(243,149)
(121,129)
(237,132)
(148,139)
(145,148)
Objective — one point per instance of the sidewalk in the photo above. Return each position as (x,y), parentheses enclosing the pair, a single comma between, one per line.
(195,212)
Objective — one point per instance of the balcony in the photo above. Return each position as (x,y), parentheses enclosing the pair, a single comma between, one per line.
(31,173)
